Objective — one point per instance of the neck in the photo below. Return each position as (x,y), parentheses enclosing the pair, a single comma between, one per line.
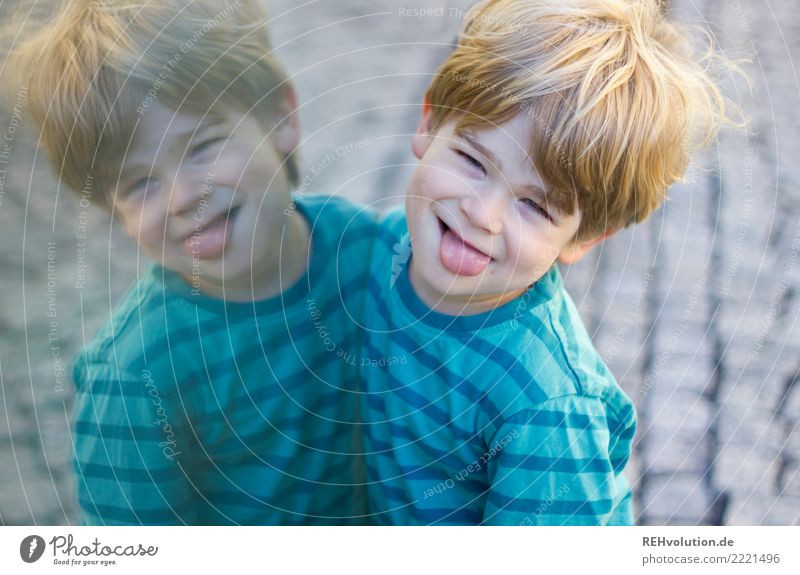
(288,262)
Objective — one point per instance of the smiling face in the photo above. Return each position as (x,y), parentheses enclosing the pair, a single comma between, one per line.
(205,196)
(481,227)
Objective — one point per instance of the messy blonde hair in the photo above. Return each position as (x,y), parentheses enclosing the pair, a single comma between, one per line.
(617,98)
(93,71)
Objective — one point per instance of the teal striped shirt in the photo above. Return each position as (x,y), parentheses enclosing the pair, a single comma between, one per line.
(193,410)
(508,417)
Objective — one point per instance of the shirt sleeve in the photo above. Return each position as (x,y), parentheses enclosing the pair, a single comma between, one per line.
(551,465)
(129,450)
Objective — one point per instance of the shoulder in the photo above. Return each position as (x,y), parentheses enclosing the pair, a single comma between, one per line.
(341,230)
(335,212)
(552,329)
(564,366)
(134,333)
(394,220)
(572,426)
(575,411)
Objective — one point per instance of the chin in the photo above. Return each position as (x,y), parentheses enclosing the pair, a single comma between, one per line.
(447,283)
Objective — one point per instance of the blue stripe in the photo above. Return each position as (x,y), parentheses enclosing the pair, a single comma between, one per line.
(555,419)
(434,369)
(147,475)
(111,431)
(597,508)
(564,464)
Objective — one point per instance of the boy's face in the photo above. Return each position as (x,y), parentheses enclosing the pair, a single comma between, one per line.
(481,227)
(205,196)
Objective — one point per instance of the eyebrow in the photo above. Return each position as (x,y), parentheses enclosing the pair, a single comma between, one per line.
(208,122)
(182,139)
(531,190)
(472,140)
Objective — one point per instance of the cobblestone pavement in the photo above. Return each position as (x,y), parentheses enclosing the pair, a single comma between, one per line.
(695,311)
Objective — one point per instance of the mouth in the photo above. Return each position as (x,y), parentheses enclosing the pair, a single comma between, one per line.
(210,239)
(459,256)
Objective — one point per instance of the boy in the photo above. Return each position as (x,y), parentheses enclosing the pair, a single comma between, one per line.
(215,393)
(553,124)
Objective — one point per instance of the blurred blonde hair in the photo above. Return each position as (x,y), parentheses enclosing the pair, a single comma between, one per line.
(93,70)
(617,97)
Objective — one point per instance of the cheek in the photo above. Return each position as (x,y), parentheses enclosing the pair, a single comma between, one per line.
(435,184)
(153,219)
(147,227)
(417,187)
(415,202)
(232,172)
(534,256)
(265,183)
(130,221)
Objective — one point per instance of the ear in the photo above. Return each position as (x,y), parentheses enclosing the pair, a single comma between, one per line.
(422,137)
(574,251)
(286,135)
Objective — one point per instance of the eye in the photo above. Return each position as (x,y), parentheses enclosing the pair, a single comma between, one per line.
(142,188)
(205,146)
(534,206)
(471,160)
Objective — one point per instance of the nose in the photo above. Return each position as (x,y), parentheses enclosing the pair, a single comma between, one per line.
(484,210)
(185,195)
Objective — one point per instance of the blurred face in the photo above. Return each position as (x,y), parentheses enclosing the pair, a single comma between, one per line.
(205,196)
(481,228)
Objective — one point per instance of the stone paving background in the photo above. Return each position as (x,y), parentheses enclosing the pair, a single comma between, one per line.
(695,311)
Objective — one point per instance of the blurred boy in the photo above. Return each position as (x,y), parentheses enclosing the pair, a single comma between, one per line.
(212,395)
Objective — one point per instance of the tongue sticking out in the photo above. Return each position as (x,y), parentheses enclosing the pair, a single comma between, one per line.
(459,258)
(209,242)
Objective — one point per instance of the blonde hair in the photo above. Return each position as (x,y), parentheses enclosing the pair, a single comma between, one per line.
(95,69)
(618,99)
